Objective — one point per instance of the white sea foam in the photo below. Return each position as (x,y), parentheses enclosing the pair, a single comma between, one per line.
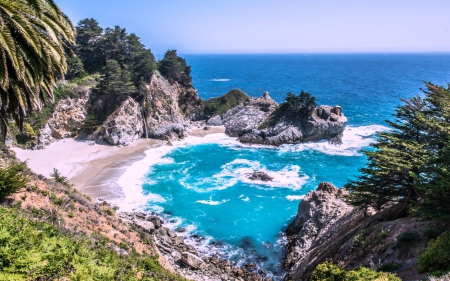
(220,80)
(354,139)
(211,202)
(246,199)
(133,178)
(294,197)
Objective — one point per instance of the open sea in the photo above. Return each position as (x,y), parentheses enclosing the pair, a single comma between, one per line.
(200,183)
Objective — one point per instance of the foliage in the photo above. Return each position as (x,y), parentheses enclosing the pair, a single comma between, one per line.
(218,106)
(31,250)
(328,271)
(298,105)
(115,81)
(113,49)
(436,258)
(34,41)
(12,178)
(409,238)
(56,175)
(175,69)
(390,266)
(411,163)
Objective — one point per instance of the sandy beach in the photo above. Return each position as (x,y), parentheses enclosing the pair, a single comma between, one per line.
(94,168)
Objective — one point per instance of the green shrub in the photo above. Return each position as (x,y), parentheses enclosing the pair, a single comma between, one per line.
(219,106)
(390,266)
(12,178)
(431,232)
(328,271)
(436,258)
(31,250)
(56,175)
(409,238)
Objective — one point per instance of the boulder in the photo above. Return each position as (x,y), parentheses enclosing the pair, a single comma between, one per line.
(191,260)
(144,225)
(259,176)
(123,126)
(215,121)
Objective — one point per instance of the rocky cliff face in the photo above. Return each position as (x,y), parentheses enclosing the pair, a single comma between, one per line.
(261,121)
(327,228)
(163,115)
(67,119)
(123,126)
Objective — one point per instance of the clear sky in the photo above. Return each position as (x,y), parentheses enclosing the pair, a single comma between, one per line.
(275,26)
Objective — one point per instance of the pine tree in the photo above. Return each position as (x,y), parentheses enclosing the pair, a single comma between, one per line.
(403,161)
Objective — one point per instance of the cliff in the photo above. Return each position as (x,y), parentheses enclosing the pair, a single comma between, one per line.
(326,227)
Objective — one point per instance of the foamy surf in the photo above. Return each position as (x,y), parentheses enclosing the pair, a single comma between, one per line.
(211,202)
(220,80)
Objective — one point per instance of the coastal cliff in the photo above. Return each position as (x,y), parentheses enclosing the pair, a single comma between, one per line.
(326,227)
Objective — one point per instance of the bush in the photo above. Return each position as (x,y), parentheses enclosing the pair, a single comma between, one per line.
(31,250)
(409,238)
(328,271)
(219,106)
(13,178)
(436,258)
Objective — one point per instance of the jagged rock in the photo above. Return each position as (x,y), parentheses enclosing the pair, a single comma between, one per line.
(163,115)
(191,260)
(215,121)
(261,121)
(67,119)
(259,175)
(123,126)
(249,116)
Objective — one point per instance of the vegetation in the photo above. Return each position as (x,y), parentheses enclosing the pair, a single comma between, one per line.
(411,163)
(175,69)
(328,271)
(12,178)
(436,258)
(33,48)
(56,175)
(218,106)
(298,105)
(31,250)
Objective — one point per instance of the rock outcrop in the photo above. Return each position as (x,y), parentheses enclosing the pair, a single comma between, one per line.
(248,116)
(262,121)
(326,227)
(123,126)
(162,113)
(67,119)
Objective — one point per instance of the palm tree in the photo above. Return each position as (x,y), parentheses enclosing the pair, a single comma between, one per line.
(34,39)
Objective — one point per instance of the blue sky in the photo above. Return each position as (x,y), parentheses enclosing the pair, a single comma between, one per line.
(275,26)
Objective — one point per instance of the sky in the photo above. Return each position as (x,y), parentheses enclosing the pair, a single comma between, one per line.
(275,26)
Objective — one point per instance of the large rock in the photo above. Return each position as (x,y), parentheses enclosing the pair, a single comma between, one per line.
(67,119)
(322,215)
(123,126)
(191,260)
(261,121)
(215,121)
(162,112)
(249,116)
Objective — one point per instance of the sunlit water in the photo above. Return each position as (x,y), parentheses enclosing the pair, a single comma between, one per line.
(201,184)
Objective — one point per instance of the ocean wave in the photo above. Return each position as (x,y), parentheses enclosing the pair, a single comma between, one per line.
(294,197)
(353,141)
(211,202)
(220,80)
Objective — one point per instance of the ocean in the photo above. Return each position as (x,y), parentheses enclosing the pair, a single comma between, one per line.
(200,183)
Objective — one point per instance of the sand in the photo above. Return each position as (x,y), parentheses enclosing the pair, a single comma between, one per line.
(94,168)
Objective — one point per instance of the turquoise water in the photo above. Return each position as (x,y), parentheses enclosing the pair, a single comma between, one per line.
(202,185)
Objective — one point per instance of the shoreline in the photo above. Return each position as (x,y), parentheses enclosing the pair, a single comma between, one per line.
(95,169)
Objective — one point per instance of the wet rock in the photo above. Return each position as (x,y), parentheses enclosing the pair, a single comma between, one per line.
(260,176)
(191,260)
(181,229)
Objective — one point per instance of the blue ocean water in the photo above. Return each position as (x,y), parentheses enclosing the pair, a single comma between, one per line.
(202,186)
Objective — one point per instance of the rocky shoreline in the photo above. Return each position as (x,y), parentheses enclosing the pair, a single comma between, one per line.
(184,258)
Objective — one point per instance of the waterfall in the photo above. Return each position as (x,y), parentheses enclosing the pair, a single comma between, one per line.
(145,124)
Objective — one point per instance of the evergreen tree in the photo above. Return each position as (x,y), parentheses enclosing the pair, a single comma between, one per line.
(115,81)
(410,164)
(175,69)
(89,33)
